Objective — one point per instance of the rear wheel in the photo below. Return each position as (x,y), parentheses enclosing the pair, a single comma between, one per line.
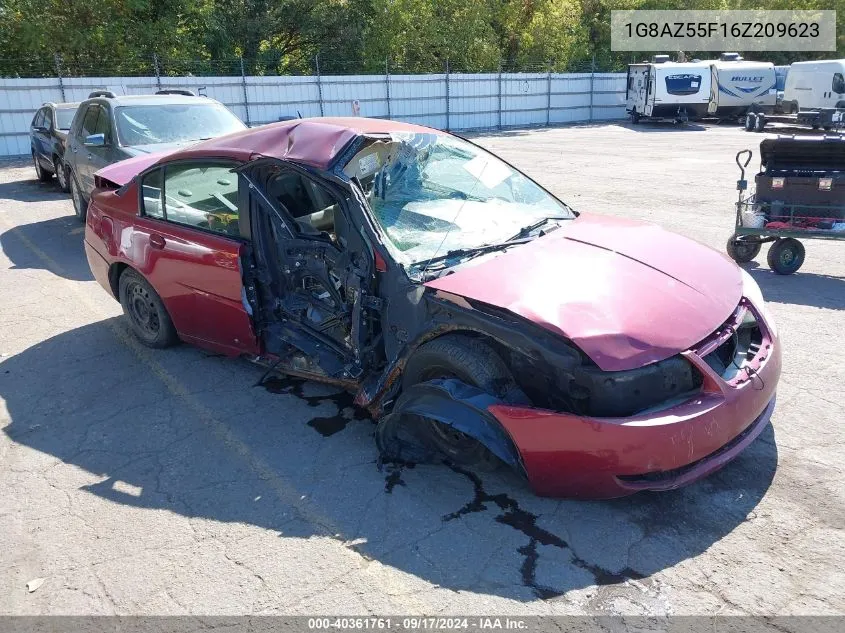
(148,318)
(61,174)
(471,361)
(80,207)
(742,251)
(786,256)
(750,122)
(42,174)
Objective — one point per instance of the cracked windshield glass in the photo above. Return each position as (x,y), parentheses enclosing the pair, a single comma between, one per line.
(434,194)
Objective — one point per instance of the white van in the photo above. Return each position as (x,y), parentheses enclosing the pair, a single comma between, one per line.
(814,85)
(737,86)
(665,90)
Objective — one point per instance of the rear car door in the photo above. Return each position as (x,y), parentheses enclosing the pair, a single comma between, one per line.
(79,151)
(39,131)
(188,244)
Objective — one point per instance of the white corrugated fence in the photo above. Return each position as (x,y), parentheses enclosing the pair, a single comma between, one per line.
(453,101)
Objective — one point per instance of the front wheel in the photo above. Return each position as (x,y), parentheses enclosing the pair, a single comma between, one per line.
(472,361)
(786,256)
(742,251)
(80,207)
(148,318)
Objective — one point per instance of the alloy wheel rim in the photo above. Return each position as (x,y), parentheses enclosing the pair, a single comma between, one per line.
(77,202)
(38,171)
(61,175)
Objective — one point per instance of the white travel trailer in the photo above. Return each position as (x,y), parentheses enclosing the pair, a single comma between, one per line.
(815,85)
(665,90)
(738,86)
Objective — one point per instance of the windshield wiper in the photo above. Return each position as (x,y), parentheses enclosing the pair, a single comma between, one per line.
(527,230)
(467,252)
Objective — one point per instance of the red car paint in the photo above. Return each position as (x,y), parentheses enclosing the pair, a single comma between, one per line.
(627,294)
(196,273)
(604,284)
(572,456)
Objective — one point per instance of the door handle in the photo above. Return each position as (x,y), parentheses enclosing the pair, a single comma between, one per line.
(157,241)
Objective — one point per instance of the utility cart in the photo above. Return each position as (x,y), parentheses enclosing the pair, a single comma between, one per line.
(799,194)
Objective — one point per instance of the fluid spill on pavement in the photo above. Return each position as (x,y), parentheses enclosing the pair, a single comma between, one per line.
(394,472)
(324,425)
(526,522)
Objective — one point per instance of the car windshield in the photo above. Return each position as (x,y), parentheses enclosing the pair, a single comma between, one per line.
(64,117)
(173,123)
(434,193)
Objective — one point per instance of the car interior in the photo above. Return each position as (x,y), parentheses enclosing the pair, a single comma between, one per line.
(308,203)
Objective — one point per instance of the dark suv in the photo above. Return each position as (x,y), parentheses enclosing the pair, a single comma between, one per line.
(109,128)
(47,136)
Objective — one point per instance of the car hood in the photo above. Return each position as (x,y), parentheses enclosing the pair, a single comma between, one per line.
(627,293)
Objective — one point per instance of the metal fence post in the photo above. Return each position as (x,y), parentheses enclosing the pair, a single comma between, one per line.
(246,94)
(549,94)
(387,83)
(319,82)
(447,94)
(157,71)
(500,95)
(592,83)
(58,60)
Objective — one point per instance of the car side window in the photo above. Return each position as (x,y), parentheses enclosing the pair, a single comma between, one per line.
(151,191)
(38,120)
(89,123)
(838,83)
(202,195)
(102,126)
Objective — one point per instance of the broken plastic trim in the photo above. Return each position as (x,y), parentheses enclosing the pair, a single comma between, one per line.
(401,438)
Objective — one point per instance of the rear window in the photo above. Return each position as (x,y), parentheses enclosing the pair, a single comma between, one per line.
(683,84)
(173,123)
(64,117)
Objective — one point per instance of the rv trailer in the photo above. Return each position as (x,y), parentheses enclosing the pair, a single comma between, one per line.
(661,89)
(738,86)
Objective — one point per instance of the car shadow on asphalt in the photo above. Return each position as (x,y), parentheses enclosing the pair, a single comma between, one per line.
(60,239)
(800,288)
(31,190)
(187,432)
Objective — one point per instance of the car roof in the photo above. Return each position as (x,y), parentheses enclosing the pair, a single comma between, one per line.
(315,141)
(123,100)
(60,106)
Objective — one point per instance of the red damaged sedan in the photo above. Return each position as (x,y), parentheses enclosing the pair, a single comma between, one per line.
(478,318)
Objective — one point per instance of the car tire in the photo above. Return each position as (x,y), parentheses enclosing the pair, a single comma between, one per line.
(759,123)
(750,122)
(786,256)
(474,362)
(61,174)
(80,207)
(145,311)
(635,117)
(40,172)
(742,251)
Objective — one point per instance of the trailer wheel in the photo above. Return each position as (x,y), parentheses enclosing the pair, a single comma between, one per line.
(786,256)
(750,122)
(815,126)
(635,116)
(742,251)
(760,123)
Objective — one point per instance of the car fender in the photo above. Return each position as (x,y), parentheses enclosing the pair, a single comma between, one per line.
(399,436)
